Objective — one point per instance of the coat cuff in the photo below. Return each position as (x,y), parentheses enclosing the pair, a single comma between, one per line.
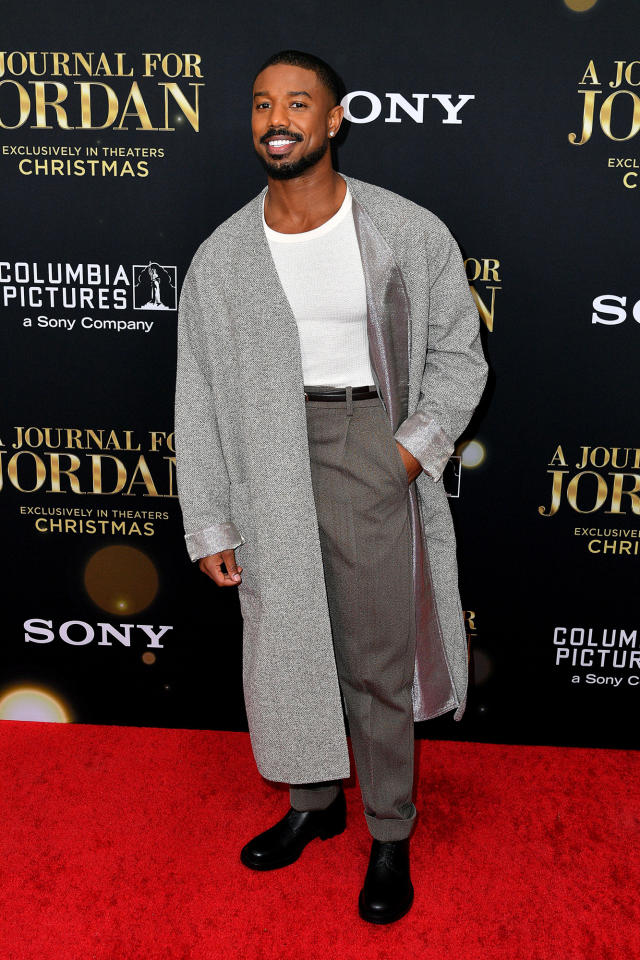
(221,536)
(428,442)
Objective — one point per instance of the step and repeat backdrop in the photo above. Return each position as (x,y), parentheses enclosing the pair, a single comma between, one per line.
(124,141)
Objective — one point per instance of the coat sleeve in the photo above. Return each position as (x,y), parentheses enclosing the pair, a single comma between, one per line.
(455,371)
(201,472)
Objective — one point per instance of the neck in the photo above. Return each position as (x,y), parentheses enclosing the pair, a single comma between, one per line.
(306,202)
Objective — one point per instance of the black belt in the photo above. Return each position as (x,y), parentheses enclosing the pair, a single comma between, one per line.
(339,393)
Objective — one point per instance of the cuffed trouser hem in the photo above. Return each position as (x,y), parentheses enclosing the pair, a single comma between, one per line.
(389,829)
(319,797)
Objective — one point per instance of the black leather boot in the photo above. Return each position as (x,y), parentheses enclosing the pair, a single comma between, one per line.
(283,843)
(387,893)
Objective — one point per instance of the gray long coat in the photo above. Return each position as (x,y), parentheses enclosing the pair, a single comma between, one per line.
(244,477)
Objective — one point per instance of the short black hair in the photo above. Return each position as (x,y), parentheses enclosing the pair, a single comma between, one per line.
(297,58)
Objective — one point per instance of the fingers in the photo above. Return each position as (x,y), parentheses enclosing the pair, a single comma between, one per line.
(233,572)
(222,568)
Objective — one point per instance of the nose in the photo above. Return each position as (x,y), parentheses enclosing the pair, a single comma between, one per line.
(279,116)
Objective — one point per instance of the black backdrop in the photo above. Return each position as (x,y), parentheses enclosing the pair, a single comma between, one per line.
(547,226)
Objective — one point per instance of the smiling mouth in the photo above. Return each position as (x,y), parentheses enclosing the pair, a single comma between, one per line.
(277,146)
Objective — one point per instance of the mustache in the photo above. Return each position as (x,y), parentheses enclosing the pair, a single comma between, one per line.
(280,133)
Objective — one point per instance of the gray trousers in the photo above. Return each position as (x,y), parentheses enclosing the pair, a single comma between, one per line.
(360,489)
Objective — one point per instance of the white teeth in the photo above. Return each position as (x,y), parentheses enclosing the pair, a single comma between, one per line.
(279,143)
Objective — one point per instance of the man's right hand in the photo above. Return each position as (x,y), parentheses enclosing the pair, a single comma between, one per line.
(212,566)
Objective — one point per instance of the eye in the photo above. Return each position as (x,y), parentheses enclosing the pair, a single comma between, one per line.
(265,103)
(298,103)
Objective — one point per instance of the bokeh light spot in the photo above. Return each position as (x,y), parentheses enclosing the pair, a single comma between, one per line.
(482,665)
(121,579)
(148,657)
(472,454)
(33,703)
(579,6)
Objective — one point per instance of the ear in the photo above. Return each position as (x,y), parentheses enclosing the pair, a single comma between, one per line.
(334,119)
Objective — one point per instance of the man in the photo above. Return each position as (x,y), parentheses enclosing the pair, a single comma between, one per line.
(328,358)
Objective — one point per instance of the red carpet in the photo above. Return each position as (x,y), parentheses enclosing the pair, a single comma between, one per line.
(121,843)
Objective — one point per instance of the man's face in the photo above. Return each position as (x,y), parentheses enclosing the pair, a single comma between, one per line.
(291,116)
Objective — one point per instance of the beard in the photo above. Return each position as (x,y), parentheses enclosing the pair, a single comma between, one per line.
(287,171)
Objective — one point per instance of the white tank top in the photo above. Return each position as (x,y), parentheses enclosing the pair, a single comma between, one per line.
(321,274)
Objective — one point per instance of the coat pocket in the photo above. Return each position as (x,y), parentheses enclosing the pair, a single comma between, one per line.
(401,469)
(397,463)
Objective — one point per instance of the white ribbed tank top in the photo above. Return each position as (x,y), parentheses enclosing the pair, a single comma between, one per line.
(321,273)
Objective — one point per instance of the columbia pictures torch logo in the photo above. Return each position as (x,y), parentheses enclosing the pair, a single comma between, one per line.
(154,287)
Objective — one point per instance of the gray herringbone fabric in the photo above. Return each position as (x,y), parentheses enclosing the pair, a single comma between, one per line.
(244,477)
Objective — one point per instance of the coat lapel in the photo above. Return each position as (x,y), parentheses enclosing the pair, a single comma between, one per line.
(264,302)
(389,329)
(269,344)
(388,319)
